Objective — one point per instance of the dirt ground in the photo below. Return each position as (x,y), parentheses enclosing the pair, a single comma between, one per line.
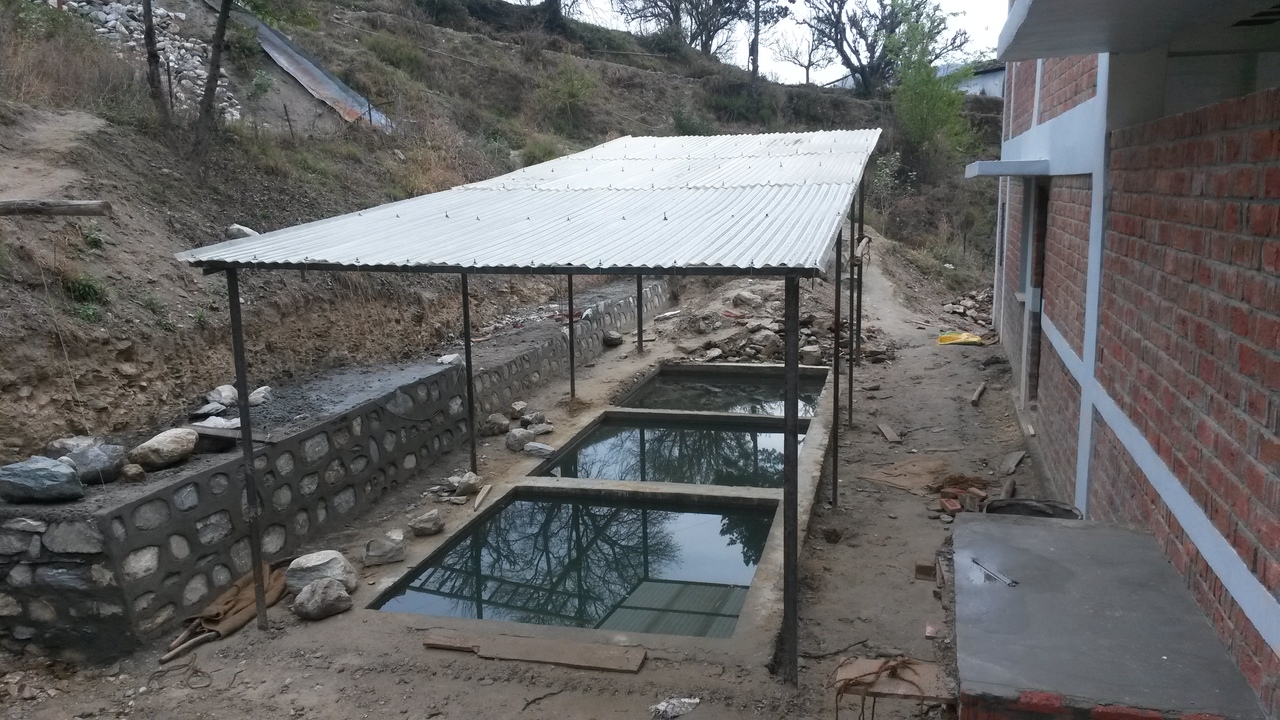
(858,592)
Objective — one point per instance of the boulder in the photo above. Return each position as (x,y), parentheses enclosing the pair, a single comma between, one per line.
(768,342)
(612,338)
(259,396)
(714,353)
(746,298)
(99,464)
(66,446)
(329,564)
(428,523)
(534,418)
(131,473)
(811,355)
(39,479)
(468,484)
(517,438)
(235,232)
(168,448)
(321,599)
(538,449)
(453,359)
(494,425)
(542,429)
(224,395)
(384,550)
(208,410)
(518,409)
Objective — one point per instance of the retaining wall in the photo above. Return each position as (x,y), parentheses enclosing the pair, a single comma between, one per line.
(94,582)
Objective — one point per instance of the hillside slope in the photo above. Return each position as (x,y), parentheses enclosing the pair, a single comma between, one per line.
(107,334)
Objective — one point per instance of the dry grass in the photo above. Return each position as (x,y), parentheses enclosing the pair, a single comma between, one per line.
(53,59)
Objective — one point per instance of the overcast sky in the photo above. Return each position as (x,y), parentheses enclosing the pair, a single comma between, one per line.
(981,18)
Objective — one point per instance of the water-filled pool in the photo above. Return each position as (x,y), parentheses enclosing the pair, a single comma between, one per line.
(628,566)
(706,390)
(700,453)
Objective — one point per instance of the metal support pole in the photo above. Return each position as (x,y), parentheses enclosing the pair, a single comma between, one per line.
(835,373)
(246,446)
(573,381)
(466,356)
(854,332)
(862,214)
(790,490)
(640,314)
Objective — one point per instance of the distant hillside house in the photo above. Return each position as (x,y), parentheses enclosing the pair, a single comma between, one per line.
(987,80)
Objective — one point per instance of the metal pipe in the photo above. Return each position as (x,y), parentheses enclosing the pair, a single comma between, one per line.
(466,354)
(790,490)
(246,447)
(857,335)
(835,373)
(640,314)
(854,259)
(573,382)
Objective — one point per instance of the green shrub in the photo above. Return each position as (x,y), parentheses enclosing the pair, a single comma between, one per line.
(668,41)
(84,288)
(399,54)
(687,122)
(262,82)
(92,236)
(86,312)
(566,95)
(240,45)
(540,150)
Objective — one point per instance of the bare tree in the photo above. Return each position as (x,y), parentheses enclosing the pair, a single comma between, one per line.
(153,64)
(764,15)
(808,52)
(205,120)
(662,14)
(710,22)
(859,32)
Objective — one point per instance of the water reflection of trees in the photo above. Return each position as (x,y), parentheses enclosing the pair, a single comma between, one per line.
(736,397)
(554,563)
(683,454)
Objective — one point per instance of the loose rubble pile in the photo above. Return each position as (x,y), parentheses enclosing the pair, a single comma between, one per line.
(976,306)
(183,59)
(752,332)
(521,427)
(68,464)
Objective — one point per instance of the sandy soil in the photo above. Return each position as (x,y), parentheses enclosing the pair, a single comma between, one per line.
(857,584)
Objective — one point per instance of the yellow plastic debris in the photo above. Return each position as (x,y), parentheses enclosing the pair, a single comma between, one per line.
(959,338)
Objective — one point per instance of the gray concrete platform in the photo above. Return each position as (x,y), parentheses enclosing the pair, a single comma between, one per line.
(1098,615)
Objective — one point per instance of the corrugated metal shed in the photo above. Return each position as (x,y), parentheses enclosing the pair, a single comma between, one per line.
(760,204)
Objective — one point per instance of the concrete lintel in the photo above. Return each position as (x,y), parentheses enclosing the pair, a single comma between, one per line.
(1006,168)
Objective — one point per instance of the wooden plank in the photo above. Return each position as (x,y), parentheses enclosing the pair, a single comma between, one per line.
(888,433)
(918,680)
(1010,462)
(55,207)
(587,656)
(977,394)
(480,496)
(230,433)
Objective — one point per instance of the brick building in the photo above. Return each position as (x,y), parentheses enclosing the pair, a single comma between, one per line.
(1138,283)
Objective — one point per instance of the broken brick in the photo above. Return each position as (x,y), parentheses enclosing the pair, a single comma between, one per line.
(951,506)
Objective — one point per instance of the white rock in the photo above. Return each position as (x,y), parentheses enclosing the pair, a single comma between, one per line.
(384,550)
(235,232)
(223,395)
(451,359)
(259,396)
(168,448)
(323,564)
(321,599)
(428,523)
(538,449)
(468,484)
(517,438)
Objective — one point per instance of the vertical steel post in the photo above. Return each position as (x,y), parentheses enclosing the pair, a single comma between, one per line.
(790,490)
(854,332)
(466,354)
(573,381)
(246,446)
(835,374)
(862,213)
(640,314)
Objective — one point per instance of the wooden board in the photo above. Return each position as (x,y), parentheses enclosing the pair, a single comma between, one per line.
(920,681)
(889,434)
(588,656)
(230,433)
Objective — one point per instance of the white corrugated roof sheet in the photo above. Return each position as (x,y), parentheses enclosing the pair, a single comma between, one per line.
(768,204)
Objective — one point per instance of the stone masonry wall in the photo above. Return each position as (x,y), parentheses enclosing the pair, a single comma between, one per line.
(97,584)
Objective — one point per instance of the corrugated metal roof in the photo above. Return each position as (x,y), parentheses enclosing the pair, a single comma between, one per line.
(733,203)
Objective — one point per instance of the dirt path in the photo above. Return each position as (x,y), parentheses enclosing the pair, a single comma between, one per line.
(26,172)
(857,581)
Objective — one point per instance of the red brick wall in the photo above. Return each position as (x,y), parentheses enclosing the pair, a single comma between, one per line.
(1189,337)
(1024,97)
(1057,420)
(1011,327)
(1066,263)
(1065,83)
(1119,492)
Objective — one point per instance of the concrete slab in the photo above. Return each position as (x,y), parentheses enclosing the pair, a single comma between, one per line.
(1097,615)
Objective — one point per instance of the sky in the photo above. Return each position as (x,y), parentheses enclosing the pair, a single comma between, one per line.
(982,19)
